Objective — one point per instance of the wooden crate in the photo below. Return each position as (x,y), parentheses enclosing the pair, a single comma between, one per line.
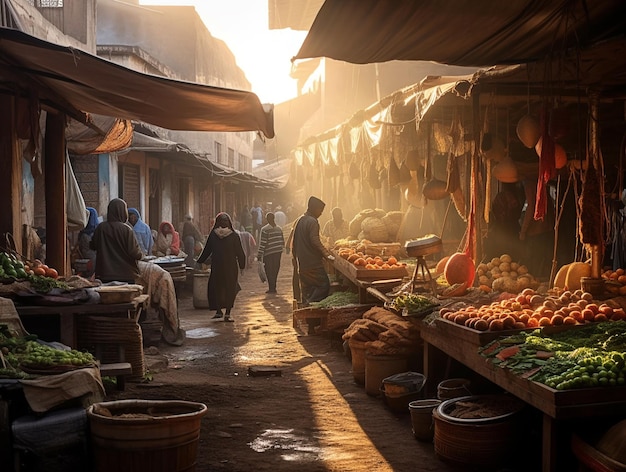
(369,274)
(480,338)
(302,315)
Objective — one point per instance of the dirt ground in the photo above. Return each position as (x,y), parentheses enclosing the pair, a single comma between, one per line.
(311,418)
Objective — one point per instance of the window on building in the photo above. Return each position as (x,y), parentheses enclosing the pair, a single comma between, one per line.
(128,184)
(242,163)
(218,153)
(47,3)
(231,158)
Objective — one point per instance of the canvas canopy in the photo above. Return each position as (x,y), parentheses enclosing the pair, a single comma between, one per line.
(460,32)
(77,81)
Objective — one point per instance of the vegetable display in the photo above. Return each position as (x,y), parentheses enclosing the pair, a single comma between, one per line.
(41,277)
(337,299)
(18,355)
(589,356)
(412,303)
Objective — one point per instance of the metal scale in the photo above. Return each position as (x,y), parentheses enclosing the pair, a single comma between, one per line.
(419,248)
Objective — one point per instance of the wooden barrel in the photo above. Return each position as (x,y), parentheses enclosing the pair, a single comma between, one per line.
(152,436)
(477,443)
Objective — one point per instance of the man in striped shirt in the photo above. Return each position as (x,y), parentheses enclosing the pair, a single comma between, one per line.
(271,247)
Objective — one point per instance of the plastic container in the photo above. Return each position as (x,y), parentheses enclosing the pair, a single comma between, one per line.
(378,368)
(152,436)
(453,388)
(405,382)
(422,418)
(200,294)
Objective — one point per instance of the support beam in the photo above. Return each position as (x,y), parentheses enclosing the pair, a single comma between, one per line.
(11,172)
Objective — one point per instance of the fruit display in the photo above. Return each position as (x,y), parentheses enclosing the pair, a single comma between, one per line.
(41,277)
(22,355)
(503,274)
(532,310)
(569,276)
(615,281)
(364,261)
(592,356)
(369,248)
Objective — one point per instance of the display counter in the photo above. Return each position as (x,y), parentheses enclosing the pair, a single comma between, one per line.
(67,314)
(555,405)
(362,279)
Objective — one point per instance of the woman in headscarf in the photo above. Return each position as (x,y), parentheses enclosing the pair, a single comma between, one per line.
(224,248)
(143,233)
(116,246)
(168,241)
(84,238)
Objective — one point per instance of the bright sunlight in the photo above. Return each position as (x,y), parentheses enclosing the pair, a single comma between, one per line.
(264,55)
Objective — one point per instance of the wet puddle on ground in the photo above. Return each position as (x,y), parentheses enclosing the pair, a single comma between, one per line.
(296,448)
(201,333)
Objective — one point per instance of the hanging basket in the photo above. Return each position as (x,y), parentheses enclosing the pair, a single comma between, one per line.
(435,189)
(528,131)
(506,171)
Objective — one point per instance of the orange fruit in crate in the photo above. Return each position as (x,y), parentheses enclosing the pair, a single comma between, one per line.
(52,273)
(39,271)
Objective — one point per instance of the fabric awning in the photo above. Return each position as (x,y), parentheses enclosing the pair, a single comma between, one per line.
(460,32)
(71,78)
(365,128)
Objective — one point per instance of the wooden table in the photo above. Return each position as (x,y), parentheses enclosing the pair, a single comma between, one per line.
(67,314)
(554,404)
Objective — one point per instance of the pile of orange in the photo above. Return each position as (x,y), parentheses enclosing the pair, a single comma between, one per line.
(370,262)
(37,267)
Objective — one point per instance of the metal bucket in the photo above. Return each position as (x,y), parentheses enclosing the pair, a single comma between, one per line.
(422,418)
(200,294)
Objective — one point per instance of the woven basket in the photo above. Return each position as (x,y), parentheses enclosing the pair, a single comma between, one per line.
(375,230)
(341,318)
(111,332)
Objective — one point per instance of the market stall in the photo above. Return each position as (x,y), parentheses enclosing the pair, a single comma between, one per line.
(555,404)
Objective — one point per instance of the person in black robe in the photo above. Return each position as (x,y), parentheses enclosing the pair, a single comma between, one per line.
(116,247)
(224,248)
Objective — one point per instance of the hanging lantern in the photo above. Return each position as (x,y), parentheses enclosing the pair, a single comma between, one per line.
(528,131)
(505,171)
(560,156)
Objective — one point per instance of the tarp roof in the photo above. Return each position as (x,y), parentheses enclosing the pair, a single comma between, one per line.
(181,153)
(74,80)
(460,32)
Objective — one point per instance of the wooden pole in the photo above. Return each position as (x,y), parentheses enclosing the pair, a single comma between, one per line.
(597,253)
(11,170)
